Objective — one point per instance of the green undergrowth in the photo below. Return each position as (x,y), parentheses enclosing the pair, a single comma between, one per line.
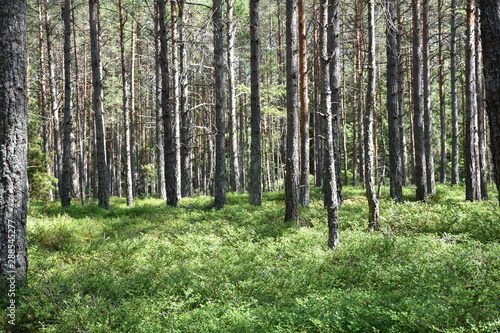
(433,267)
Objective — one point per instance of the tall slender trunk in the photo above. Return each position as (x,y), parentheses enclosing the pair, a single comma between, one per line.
(426,59)
(101,163)
(159,111)
(401,95)
(176,97)
(455,178)
(255,187)
(304,107)
(442,96)
(392,104)
(292,140)
(330,186)
(373,204)
(53,100)
(185,113)
(472,190)
(234,178)
(43,96)
(69,165)
(418,121)
(318,119)
(490,37)
(170,175)
(126,111)
(220,117)
(13,144)
(80,118)
(482,166)
(335,65)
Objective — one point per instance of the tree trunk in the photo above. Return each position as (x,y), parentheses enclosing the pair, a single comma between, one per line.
(13,145)
(102,167)
(418,116)
(490,37)
(401,94)
(126,111)
(472,190)
(234,178)
(69,133)
(53,100)
(159,111)
(176,97)
(373,204)
(482,167)
(330,186)
(426,59)
(392,104)
(335,65)
(43,97)
(170,175)
(186,130)
(220,117)
(442,97)
(292,140)
(455,178)
(304,108)
(255,186)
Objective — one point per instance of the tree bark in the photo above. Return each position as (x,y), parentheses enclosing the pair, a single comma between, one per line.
(335,65)
(418,116)
(401,94)
(426,59)
(126,111)
(490,37)
(396,189)
(220,117)
(159,111)
(255,186)
(472,190)
(170,174)
(234,178)
(304,108)
(330,186)
(442,97)
(185,113)
(373,204)
(292,140)
(482,166)
(13,145)
(455,178)
(69,164)
(102,166)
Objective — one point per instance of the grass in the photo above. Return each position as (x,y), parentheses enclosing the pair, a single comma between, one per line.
(433,267)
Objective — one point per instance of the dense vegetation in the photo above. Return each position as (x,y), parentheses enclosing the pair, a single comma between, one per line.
(433,267)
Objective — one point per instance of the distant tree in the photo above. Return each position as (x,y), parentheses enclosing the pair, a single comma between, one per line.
(220,178)
(255,186)
(490,37)
(13,144)
(101,162)
(292,138)
(442,97)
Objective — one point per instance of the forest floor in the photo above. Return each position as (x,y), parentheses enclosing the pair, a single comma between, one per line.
(432,267)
